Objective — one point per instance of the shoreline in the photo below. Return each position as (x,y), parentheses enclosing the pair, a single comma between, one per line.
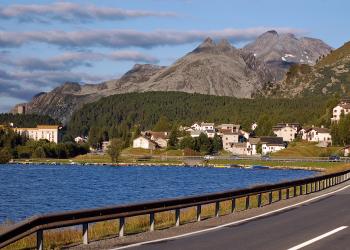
(124,164)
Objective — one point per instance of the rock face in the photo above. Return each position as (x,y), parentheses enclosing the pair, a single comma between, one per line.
(216,69)
(280,51)
(211,68)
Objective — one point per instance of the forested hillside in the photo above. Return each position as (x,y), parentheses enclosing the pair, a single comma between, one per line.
(120,113)
(26,121)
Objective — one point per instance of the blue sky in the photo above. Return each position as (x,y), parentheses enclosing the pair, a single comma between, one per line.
(45,43)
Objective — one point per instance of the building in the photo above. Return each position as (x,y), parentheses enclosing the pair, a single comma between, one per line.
(228,139)
(254,126)
(303,133)
(41,132)
(240,148)
(288,131)
(144,142)
(271,144)
(206,126)
(210,133)
(229,127)
(80,139)
(346,150)
(315,134)
(342,107)
(160,138)
(195,133)
(253,145)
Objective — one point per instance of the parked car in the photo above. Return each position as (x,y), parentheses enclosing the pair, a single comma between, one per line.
(334,158)
(265,157)
(208,157)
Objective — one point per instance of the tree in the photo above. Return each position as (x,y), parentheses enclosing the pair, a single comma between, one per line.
(39,152)
(94,138)
(173,141)
(217,143)
(187,142)
(162,125)
(5,156)
(115,148)
(204,143)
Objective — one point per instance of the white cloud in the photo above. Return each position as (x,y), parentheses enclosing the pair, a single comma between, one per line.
(130,38)
(72,12)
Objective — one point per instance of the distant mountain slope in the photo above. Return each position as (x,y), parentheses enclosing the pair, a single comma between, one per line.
(330,75)
(215,69)
(280,51)
(211,68)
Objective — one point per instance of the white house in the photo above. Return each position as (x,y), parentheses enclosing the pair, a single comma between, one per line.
(207,126)
(342,107)
(240,148)
(143,142)
(80,139)
(210,133)
(303,133)
(41,132)
(228,139)
(271,144)
(196,127)
(233,128)
(160,138)
(253,145)
(288,131)
(254,126)
(319,135)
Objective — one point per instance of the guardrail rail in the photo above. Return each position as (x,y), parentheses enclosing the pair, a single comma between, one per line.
(38,224)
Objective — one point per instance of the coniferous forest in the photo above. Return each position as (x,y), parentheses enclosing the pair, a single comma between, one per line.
(117,115)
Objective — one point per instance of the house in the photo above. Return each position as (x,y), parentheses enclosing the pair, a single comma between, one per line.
(342,107)
(41,132)
(319,135)
(229,127)
(80,139)
(206,126)
(254,126)
(144,142)
(196,127)
(253,145)
(240,148)
(210,133)
(271,144)
(105,145)
(346,150)
(303,133)
(288,131)
(161,138)
(228,139)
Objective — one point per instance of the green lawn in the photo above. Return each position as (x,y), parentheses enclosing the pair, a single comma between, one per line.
(307,149)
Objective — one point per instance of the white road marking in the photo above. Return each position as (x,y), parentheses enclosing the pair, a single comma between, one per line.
(229,224)
(306,243)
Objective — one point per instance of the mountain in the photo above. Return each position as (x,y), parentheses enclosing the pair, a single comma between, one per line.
(211,68)
(281,51)
(214,69)
(330,75)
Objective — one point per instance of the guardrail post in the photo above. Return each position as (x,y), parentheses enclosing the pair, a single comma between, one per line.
(39,240)
(85,233)
(233,205)
(199,212)
(151,222)
(121,226)
(217,209)
(279,194)
(247,201)
(294,191)
(177,217)
(301,190)
(307,188)
(259,200)
(270,197)
(287,193)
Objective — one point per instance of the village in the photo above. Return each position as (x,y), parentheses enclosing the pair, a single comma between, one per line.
(235,139)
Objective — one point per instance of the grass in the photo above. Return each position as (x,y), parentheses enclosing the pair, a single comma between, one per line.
(56,239)
(306,149)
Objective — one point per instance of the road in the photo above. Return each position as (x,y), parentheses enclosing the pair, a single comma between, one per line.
(322,224)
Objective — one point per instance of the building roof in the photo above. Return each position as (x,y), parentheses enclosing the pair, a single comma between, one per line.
(207,124)
(271,140)
(321,130)
(287,124)
(239,145)
(254,141)
(345,105)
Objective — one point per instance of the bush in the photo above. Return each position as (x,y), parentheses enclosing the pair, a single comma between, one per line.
(5,156)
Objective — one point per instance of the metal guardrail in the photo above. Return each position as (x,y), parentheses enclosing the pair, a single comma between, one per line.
(38,224)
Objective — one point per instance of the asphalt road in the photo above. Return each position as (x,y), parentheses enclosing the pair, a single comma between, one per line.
(322,224)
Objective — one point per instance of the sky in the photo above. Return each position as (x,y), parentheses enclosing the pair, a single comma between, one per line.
(46,43)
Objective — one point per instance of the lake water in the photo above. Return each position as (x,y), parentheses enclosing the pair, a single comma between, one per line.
(26,190)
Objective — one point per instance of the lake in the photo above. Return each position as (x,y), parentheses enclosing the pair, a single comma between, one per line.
(28,190)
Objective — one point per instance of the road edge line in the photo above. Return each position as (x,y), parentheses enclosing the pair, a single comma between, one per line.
(231,223)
